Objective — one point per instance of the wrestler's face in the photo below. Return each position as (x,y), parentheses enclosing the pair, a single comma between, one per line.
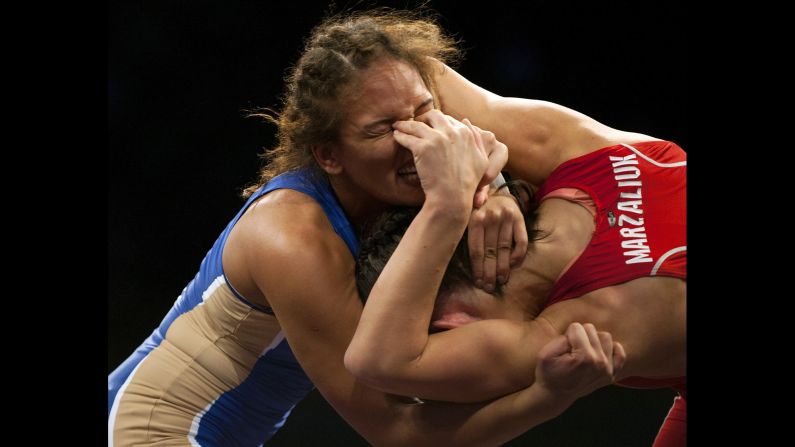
(466,304)
(372,162)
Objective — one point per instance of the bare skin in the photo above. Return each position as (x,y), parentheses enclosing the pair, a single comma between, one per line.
(646,315)
(283,253)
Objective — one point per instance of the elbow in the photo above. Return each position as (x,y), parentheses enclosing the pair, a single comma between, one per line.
(369,368)
(356,361)
(361,363)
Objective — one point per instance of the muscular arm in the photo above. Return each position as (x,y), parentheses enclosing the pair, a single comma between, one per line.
(539,134)
(311,289)
(393,351)
(647,315)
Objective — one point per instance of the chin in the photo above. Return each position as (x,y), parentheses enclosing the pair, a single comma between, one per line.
(414,200)
(405,196)
(416,195)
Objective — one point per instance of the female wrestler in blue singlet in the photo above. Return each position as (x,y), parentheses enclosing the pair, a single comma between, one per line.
(274,305)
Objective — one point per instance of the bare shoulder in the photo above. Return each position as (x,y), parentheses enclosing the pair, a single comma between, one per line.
(652,294)
(286,233)
(587,135)
(282,217)
(643,300)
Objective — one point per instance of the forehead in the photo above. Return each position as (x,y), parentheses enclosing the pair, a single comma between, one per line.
(387,88)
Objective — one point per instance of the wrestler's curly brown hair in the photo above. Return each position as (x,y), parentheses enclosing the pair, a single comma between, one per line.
(335,53)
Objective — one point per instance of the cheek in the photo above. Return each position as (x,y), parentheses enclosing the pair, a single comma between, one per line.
(381,155)
(385,148)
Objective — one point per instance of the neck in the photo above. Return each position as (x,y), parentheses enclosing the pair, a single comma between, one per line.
(567,229)
(359,207)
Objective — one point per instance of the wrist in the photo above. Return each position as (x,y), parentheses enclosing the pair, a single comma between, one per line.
(549,401)
(450,209)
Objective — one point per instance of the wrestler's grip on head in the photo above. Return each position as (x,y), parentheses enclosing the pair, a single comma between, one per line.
(496,151)
(497,235)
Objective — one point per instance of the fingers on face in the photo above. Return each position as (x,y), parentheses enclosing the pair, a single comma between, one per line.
(481,196)
(504,245)
(475,241)
(408,140)
(490,237)
(520,240)
(437,120)
(476,134)
(415,128)
(450,126)
(498,157)
(495,152)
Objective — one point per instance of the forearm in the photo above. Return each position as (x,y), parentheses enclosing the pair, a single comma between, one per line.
(483,424)
(318,319)
(393,330)
(392,350)
(384,421)
(460,98)
(536,132)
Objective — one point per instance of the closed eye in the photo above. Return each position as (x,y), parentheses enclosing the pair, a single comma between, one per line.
(380,129)
(383,126)
(380,133)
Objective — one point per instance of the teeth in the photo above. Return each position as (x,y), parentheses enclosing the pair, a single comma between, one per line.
(410,170)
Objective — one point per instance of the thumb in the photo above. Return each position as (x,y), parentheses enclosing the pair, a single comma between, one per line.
(557,347)
(481,195)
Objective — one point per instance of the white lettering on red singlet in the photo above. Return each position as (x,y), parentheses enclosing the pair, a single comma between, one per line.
(634,240)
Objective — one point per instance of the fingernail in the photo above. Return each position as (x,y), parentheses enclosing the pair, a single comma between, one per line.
(489,287)
(479,283)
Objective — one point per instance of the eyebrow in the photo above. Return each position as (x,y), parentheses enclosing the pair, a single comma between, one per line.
(391,119)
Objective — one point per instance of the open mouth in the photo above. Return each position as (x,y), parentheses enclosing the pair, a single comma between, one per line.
(409,174)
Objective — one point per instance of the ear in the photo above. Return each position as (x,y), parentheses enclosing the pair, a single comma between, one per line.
(326,157)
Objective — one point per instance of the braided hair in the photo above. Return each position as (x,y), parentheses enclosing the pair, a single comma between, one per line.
(336,53)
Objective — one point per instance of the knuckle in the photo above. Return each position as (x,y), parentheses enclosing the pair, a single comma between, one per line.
(477,217)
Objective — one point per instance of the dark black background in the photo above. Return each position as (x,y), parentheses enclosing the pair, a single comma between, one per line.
(180,74)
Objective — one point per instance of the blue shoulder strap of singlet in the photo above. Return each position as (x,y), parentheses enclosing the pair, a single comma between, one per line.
(314,185)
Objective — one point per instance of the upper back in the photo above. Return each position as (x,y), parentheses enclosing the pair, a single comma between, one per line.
(646,315)
(639,198)
(630,277)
